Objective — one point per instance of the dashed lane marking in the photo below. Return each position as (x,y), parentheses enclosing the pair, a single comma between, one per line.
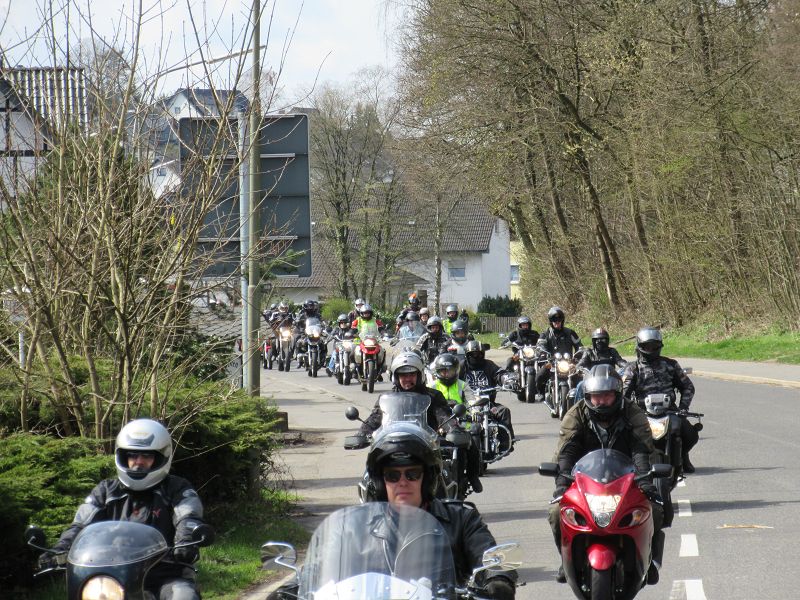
(688,545)
(684,508)
(687,589)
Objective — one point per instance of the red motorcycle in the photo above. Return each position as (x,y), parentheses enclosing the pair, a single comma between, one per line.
(369,361)
(606,526)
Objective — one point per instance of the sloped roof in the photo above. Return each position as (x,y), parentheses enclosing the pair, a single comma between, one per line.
(55,94)
(469,227)
(203,99)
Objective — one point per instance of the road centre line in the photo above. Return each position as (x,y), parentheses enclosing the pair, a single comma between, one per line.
(688,589)
(684,508)
(688,545)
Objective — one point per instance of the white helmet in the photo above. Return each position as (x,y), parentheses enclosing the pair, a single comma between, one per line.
(407,362)
(143,435)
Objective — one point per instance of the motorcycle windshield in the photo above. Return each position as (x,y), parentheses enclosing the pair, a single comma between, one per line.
(604,465)
(376,551)
(110,543)
(404,407)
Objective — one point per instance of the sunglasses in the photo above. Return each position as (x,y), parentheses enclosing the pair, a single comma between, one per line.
(393,475)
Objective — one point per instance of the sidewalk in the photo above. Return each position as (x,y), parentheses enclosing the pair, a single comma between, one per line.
(747,372)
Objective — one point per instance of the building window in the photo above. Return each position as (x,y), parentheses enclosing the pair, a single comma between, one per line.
(456,269)
(514,273)
(177,110)
(162,171)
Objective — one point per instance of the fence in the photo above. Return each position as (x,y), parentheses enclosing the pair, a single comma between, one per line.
(498,324)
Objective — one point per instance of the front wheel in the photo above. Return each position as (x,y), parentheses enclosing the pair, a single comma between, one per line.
(370,376)
(603,584)
(563,401)
(314,364)
(663,487)
(346,373)
(530,388)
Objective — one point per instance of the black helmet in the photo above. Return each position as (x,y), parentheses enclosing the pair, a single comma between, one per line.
(446,368)
(556,313)
(458,331)
(649,342)
(600,339)
(603,378)
(475,353)
(524,321)
(434,320)
(412,316)
(409,446)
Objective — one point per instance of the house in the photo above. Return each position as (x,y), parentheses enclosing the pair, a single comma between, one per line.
(475,261)
(35,104)
(517,251)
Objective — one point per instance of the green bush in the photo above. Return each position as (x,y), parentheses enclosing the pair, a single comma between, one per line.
(333,307)
(501,306)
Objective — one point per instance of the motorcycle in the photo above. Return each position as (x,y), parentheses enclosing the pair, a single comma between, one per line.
(665,425)
(378,551)
(343,363)
(494,438)
(315,347)
(606,525)
(368,360)
(557,394)
(111,559)
(522,379)
(285,343)
(267,356)
(408,411)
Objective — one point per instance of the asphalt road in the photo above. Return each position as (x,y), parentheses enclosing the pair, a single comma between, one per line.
(734,524)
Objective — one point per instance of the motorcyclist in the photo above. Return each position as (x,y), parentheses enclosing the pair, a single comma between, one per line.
(145,492)
(413,306)
(404,469)
(356,312)
(412,329)
(605,420)
(556,338)
(367,324)
(338,334)
(652,373)
(601,353)
(451,312)
(433,342)
(267,314)
(424,315)
(523,335)
(309,311)
(480,372)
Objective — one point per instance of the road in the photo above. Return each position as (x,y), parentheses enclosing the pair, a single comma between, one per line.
(733,520)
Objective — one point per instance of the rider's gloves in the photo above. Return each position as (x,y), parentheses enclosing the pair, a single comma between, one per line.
(559,491)
(48,560)
(683,410)
(187,554)
(649,490)
(499,588)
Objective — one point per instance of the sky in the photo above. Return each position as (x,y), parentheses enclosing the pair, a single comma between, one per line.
(333,37)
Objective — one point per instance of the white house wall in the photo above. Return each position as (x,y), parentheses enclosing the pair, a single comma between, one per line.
(496,263)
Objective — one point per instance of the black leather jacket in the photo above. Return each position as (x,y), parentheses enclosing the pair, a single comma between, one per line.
(483,374)
(432,346)
(563,341)
(173,507)
(660,376)
(522,337)
(469,536)
(592,358)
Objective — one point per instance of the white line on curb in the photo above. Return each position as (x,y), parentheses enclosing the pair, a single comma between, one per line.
(684,508)
(688,545)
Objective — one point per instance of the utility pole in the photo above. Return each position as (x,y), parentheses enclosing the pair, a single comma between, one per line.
(253,292)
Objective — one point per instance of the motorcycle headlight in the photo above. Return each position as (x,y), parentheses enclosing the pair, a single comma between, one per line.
(603,508)
(563,367)
(370,343)
(347,345)
(285,333)
(528,353)
(102,588)
(658,427)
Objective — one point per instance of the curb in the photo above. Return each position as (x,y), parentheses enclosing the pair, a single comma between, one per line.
(747,379)
(263,590)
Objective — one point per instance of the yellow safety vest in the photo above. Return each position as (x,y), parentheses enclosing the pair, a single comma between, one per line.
(454,394)
(367,328)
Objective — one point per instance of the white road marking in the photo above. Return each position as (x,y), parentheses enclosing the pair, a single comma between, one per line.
(682,483)
(688,589)
(688,545)
(684,508)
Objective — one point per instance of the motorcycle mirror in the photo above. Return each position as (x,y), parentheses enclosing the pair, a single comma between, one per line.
(281,553)
(34,537)
(687,370)
(661,470)
(203,534)
(502,335)
(503,557)
(351,413)
(548,469)
(459,410)
(486,347)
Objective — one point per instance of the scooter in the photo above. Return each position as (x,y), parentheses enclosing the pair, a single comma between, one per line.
(606,525)
(111,559)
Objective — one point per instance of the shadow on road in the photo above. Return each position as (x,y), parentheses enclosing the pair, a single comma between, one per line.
(721,505)
(514,515)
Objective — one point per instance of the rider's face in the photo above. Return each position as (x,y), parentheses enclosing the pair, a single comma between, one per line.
(404,491)
(407,381)
(141,461)
(603,399)
(435,329)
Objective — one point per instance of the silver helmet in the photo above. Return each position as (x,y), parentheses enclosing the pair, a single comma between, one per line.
(140,436)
